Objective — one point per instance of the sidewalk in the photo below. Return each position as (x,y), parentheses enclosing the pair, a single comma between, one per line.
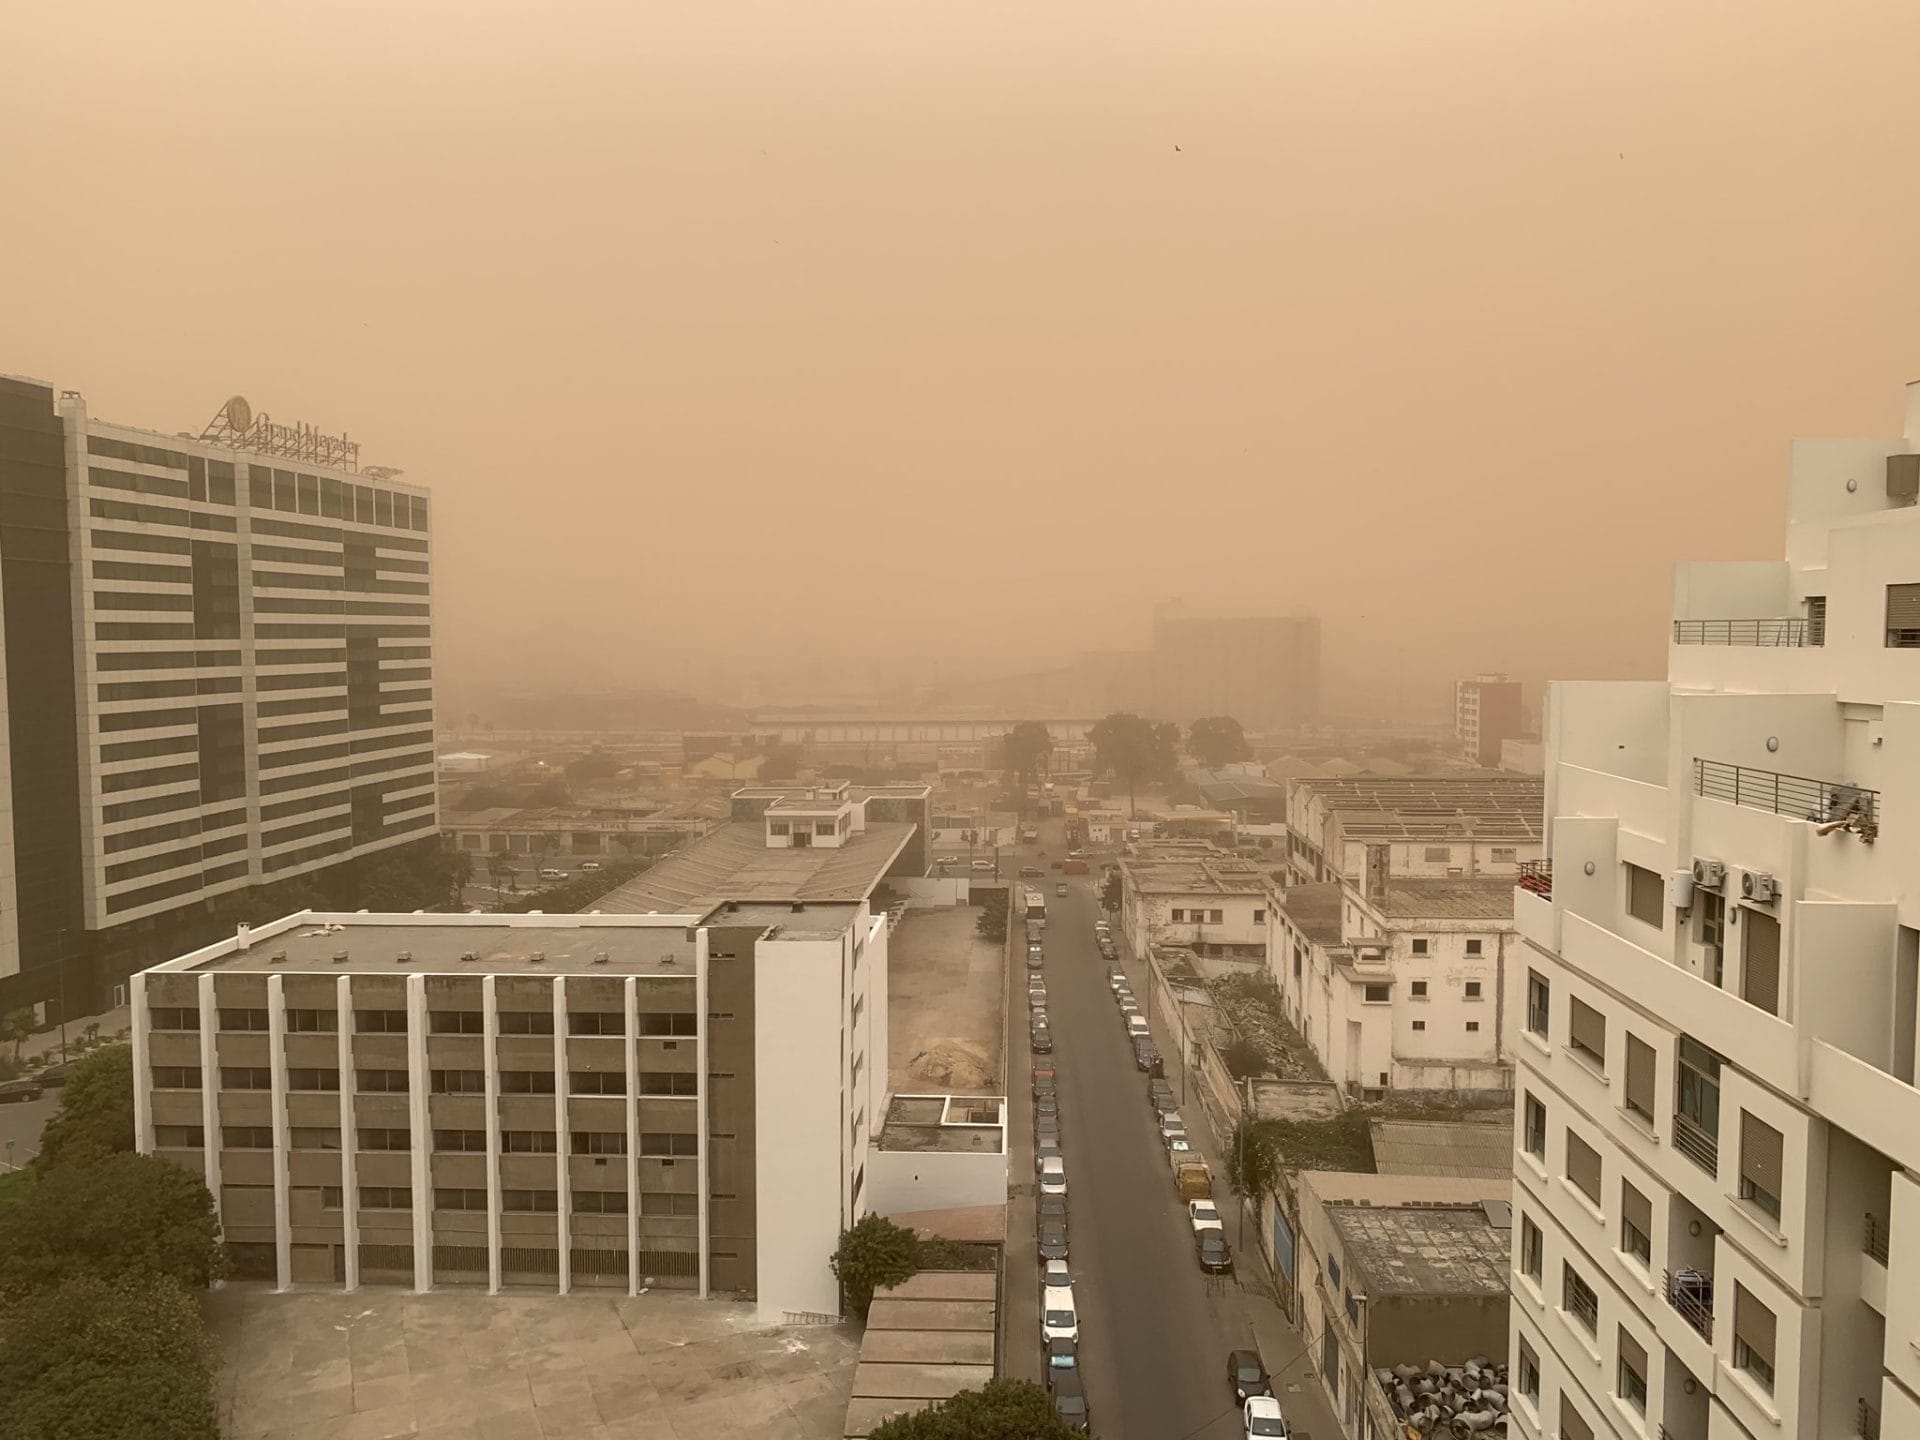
(47,1042)
(1285,1352)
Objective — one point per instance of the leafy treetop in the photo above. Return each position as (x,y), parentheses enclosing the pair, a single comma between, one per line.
(998,1410)
(1218,740)
(95,1118)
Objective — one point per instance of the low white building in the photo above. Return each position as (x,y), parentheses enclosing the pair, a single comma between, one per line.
(1400,990)
(1191,893)
(1440,827)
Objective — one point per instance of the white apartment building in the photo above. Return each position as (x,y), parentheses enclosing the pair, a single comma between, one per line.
(1362,827)
(1717,1216)
(1189,893)
(1401,989)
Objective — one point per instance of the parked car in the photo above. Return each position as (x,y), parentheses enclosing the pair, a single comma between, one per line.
(1054,1274)
(589,864)
(1041,1040)
(1043,1085)
(1261,1419)
(1147,1058)
(1037,998)
(16,1090)
(53,1076)
(1045,1148)
(1247,1376)
(1156,1089)
(1053,1241)
(1058,1318)
(1061,889)
(1031,872)
(1070,1400)
(548,872)
(1063,1357)
(1210,1247)
(1049,1207)
(1046,1105)
(1178,1150)
(981,866)
(1205,1215)
(1045,1068)
(1035,957)
(1137,1026)
(1053,1176)
(1116,977)
(1046,1127)
(1172,1128)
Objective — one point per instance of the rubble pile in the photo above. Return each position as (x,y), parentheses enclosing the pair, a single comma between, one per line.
(1437,1401)
(1249,1006)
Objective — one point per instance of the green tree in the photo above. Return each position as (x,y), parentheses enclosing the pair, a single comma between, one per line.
(1027,747)
(1218,740)
(95,1118)
(998,1410)
(109,1217)
(89,1400)
(1253,1160)
(1124,744)
(991,923)
(16,1025)
(1243,1057)
(873,1254)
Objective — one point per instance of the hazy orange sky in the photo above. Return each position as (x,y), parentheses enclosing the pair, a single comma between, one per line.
(757,333)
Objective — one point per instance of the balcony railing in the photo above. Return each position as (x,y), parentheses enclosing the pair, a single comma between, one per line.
(1825,801)
(1690,1292)
(1773,633)
(1866,1421)
(1536,876)
(1874,1241)
(1696,1142)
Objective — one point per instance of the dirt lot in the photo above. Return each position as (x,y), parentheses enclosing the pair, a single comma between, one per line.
(946,1005)
(315,1365)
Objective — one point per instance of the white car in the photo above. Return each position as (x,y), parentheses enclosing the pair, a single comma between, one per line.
(1137,1027)
(1053,1176)
(1058,1318)
(1263,1420)
(1054,1275)
(589,864)
(1178,1150)
(1205,1215)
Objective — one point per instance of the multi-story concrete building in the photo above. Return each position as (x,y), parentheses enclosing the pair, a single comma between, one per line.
(1361,828)
(1718,1132)
(1192,894)
(219,670)
(1261,668)
(1487,710)
(1401,989)
(684,1089)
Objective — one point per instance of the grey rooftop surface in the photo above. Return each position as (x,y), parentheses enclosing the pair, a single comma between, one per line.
(736,863)
(1315,910)
(1464,1149)
(928,1338)
(1482,898)
(1423,1251)
(812,921)
(1484,805)
(375,944)
(975,1124)
(1198,874)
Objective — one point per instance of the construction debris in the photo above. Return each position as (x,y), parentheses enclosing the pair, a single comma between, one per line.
(1450,1401)
(1252,1009)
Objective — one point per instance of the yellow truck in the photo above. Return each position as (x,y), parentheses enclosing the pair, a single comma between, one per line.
(1192,1179)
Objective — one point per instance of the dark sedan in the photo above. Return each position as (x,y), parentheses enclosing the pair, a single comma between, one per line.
(1063,1358)
(1147,1059)
(1210,1248)
(1048,1104)
(1050,1207)
(1053,1240)
(1247,1375)
(1070,1399)
(1042,1040)
(1044,1086)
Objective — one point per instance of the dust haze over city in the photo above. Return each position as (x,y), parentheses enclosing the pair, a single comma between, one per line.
(586,590)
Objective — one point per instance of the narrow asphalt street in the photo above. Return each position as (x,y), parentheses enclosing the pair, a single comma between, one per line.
(1154,1329)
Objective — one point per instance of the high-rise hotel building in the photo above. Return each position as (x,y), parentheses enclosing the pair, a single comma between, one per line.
(1717,1161)
(218,658)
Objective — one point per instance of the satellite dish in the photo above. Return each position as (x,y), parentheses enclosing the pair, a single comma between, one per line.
(239,414)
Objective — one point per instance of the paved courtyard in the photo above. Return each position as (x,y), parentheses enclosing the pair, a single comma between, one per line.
(316,1365)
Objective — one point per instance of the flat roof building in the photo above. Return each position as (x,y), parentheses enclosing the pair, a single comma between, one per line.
(683,1089)
(1191,893)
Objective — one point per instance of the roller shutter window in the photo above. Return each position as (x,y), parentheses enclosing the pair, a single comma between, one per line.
(1587,1030)
(1760,1163)
(1753,1336)
(1903,616)
(1636,1224)
(1583,1167)
(1640,1078)
(1760,977)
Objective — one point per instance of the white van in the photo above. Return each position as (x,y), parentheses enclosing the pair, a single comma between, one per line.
(547,872)
(1137,1027)
(1058,1319)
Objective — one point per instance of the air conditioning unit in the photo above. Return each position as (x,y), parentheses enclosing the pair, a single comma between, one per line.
(1761,889)
(1709,874)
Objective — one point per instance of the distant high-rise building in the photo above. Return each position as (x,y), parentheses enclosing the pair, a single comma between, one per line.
(1261,668)
(1486,711)
(219,662)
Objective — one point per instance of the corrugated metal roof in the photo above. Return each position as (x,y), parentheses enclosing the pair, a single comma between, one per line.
(1461,1149)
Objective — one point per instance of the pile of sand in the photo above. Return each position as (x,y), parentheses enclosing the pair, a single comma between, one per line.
(952,1065)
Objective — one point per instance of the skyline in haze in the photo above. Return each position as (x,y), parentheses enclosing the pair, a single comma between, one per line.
(759,339)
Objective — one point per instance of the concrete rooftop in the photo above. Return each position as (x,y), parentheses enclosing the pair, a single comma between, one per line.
(1481,898)
(736,863)
(570,945)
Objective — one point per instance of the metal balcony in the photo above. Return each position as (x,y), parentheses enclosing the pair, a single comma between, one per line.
(1536,877)
(1690,1293)
(1793,634)
(1874,1240)
(1823,801)
(1696,1142)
